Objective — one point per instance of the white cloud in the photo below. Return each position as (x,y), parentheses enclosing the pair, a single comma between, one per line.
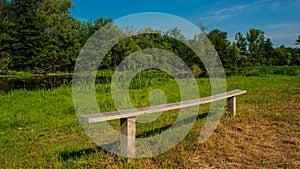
(279,35)
(231,9)
(284,25)
(283,33)
(225,13)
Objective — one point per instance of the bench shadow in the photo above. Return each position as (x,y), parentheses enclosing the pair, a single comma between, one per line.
(157,131)
(67,155)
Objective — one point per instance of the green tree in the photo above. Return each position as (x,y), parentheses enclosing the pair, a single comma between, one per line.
(269,52)
(44,35)
(255,39)
(241,43)
(293,56)
(62,46)
(238,58)
(28,34)
(87,29)
(298,41)
(5,38)
(123,49)
(175,42)
(282,56)
(222,46)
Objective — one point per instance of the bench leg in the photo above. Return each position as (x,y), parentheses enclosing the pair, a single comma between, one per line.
(128,130)
(232,105)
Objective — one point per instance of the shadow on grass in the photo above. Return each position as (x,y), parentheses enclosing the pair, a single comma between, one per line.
(157,131)
(66,155)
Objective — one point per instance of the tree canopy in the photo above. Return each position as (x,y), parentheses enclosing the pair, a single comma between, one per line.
(42,36)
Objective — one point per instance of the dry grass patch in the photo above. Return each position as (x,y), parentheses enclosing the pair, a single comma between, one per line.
(254,140)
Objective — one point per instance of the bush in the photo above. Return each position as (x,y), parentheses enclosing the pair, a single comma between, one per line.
(270,70)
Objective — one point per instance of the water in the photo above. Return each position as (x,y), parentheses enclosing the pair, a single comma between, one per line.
(8,84)
(43,82)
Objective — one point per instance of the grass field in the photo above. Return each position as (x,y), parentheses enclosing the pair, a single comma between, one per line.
(39,129)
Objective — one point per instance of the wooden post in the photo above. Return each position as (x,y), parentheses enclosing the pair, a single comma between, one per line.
(232,105)
(128,130)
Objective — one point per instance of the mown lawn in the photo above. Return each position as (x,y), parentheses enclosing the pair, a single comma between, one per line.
(39,129)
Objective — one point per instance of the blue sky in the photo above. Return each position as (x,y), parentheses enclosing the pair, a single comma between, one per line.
(279,19)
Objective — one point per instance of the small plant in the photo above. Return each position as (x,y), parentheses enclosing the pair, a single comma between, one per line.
(197,71)
(25,75)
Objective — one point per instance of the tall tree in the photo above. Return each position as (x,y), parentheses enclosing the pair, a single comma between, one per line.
(282,56)
(87,29)
(296,56)
(268,52)
(222,46)
(5,38)
(255,40)
(241,43)
(238,60)
(123,49)
(28,33)
(62,47)
(298,41)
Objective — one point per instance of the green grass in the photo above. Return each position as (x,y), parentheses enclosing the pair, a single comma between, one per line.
(39,129)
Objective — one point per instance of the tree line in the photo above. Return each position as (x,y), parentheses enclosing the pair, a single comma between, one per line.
(42,36)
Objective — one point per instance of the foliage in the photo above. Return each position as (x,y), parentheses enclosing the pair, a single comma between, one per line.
(5,38)
(62,45)
(41,36)
(28,34)
(298,41)
(222,45)
(270,70)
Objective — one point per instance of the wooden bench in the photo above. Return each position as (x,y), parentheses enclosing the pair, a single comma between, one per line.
(128,117)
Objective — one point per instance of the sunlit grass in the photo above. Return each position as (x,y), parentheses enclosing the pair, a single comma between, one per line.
(39,129)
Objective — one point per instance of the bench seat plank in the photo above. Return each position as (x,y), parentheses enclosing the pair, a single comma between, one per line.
(101,117)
